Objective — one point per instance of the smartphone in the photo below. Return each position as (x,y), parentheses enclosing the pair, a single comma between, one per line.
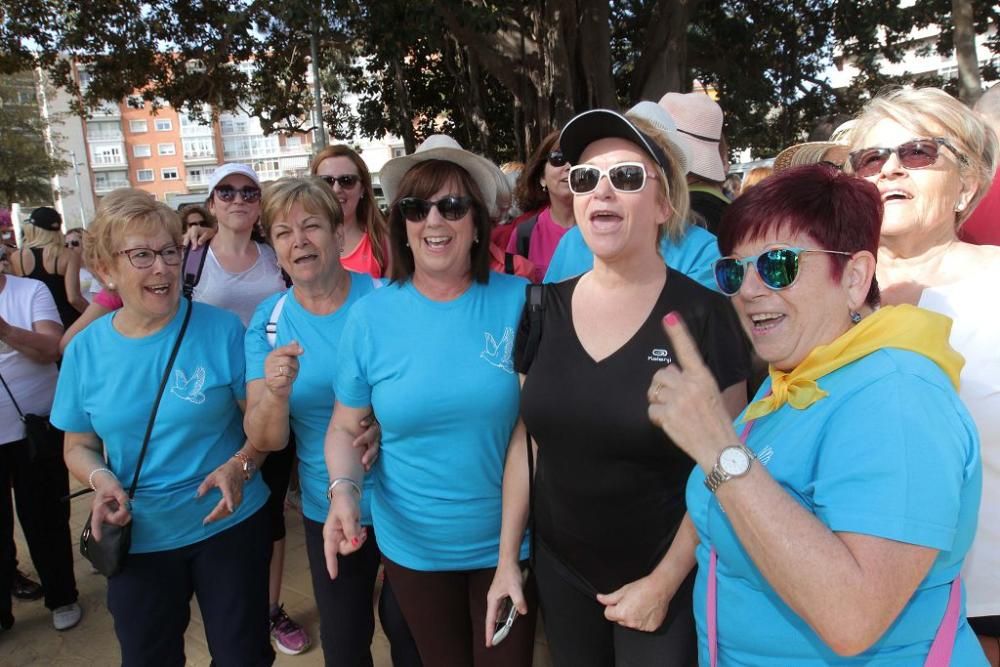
(505,620)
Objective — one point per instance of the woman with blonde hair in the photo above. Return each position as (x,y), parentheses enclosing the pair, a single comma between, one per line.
(755,176)
(366,237)
(43,256)
(933,160)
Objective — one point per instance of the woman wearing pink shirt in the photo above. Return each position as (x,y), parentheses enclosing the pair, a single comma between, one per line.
(543,190)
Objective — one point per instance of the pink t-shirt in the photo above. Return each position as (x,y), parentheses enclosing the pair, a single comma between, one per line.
(362,258)
(108,299)
(542,244)
(983,226)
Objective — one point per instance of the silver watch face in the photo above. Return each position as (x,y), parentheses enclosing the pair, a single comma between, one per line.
(734,461)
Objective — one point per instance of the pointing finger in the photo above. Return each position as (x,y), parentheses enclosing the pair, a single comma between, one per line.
(684,346)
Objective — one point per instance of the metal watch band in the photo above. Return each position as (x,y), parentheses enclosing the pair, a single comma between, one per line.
(717,476)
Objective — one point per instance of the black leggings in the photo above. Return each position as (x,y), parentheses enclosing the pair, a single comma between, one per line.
(580,636)
(346,608)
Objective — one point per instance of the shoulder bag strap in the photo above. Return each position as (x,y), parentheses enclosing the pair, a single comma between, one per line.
(271,328)
(159,395)
(536,305)
(12,399)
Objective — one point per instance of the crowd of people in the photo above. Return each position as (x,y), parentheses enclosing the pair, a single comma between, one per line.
(678,426)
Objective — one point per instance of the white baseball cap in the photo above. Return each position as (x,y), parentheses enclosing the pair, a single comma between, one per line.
(228,170)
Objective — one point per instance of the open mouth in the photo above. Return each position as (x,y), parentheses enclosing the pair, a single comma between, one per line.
(764,322)
(304,259)
(437,242)
(896,195)
(159,290)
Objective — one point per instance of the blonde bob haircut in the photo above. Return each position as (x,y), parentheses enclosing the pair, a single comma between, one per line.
(671,184)
(123,212)
(931,112)
(312,194)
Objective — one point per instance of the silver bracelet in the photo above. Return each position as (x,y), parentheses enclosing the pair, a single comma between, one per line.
(90,479)
(342,480)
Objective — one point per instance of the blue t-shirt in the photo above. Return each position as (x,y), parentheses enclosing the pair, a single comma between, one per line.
(107,386)
(311,402)
(440,376)
(693,256)
(891,452)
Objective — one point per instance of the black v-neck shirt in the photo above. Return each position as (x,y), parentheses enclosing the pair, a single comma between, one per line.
(609,487)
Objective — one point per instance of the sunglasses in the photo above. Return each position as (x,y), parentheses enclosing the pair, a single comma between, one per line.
(73,244)
(624,177)
(778,268)
(914,154)
(143,258)
(452,208)
(249,194)
(346,182)
(557,159)
(199,223)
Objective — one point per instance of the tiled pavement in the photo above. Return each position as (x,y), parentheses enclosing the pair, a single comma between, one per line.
(33,641)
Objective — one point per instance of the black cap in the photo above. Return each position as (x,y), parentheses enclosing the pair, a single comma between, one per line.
(589,126)
(46,217)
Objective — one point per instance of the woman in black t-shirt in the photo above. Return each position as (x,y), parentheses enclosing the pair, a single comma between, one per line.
(609,486)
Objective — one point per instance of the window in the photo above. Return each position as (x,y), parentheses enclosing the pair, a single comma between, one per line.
(163,125)
(138,126)
(398,151)
(110,180)
(166,149)
(141,150)
(169,174)
(144,175)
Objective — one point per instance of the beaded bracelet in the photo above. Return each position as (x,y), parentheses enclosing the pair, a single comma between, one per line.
(90,479)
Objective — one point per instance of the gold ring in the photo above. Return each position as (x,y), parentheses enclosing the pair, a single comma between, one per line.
(656,391)
(281,370)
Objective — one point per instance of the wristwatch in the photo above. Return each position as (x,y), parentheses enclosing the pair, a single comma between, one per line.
(734,461)
(249,467)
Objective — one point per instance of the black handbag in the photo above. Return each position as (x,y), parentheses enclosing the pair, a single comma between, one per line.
(108,554)
(40,434)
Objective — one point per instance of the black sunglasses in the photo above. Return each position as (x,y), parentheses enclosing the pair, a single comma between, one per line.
(557,159)
(73,244)
(914,154)
(346,181)
(452,208)
(227,193)
(199,223)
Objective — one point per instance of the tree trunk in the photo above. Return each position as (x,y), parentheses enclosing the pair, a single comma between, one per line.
(970,85)
(593,57)
(662,67)
(403,111)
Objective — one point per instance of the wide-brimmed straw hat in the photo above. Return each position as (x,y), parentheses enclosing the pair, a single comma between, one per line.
(835,150)
(590,126)
(442,147)
(699,119)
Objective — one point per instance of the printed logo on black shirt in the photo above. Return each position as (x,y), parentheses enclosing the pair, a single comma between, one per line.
(660,355)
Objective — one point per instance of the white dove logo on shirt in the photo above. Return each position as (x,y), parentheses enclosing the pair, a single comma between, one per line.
(500,354)
(189,389)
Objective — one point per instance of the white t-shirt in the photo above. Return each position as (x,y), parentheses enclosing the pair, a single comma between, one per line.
(240,292)
(24,301)
(975,334)
(89,285)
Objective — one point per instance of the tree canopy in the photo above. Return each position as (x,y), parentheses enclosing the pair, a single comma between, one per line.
(497,75)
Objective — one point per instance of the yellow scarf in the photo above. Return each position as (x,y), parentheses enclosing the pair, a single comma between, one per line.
(902,327)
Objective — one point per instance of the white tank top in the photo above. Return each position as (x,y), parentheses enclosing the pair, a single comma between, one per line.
(240,292)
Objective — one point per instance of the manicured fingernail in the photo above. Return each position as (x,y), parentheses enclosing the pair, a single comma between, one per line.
(671,319)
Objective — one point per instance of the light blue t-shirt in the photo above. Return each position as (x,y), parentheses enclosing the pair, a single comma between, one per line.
(440,376)
(891,452)
(311,402)
(693,256)
(107,386)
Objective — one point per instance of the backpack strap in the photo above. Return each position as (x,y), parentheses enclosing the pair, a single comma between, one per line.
(536,306)
(194,263)
(508,263)
(271,328)
(523,232)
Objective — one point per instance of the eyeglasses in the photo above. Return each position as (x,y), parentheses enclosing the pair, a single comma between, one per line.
(346,181)
(143,258)
(199,223)
(914,154)
(249,194)
(73,244)
(453,208)
(557,159)
(624,177)
(778,268)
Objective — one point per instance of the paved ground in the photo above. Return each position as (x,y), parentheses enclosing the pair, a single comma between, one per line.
(33,641)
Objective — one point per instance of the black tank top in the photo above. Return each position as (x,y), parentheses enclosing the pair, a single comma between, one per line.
(609,488)
(56,284)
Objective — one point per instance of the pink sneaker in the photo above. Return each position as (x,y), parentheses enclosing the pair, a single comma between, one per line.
(289,637)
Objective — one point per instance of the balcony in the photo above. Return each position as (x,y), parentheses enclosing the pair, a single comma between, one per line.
(102,185)
(108,156)
(104,135)
(197,180)
(199,155)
